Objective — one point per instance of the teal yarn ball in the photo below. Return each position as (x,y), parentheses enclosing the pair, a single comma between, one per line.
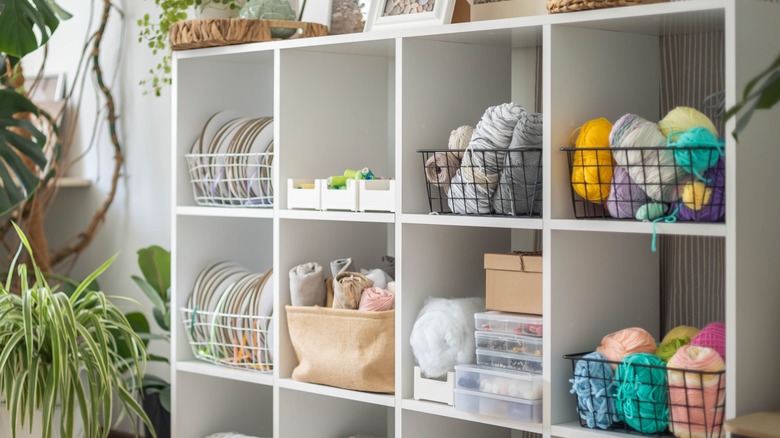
(650,211)
(688,155)
(641,397)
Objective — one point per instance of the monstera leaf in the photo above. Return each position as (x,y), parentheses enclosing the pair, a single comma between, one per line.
(19,20)
(18,181)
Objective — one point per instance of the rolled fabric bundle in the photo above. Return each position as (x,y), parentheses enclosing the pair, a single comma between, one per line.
(307,285)
(615,346)
(595,386)
(705,202)
(391,287)
(654,170)
(520,179)
(347,289)
(443,334)
(378,276)
(481,162)
(376,299)
(697,399)
(625,196)
(441,167)
(387,264)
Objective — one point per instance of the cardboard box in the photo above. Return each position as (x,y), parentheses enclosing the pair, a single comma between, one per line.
(507,9)
(513,282)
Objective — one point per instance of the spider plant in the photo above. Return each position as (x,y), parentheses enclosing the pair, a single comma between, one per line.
(59,351)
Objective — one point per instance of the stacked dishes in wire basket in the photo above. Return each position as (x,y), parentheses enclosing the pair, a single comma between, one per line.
(231,162)
(228,318)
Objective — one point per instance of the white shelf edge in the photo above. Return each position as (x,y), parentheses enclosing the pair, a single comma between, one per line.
(387,400)
(615,226)
(441,409)
(73,182)
(211,370)
(262,213)
(574,430)
(472,221)
(343,216)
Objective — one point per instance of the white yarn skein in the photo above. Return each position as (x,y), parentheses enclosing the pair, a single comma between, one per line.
(460,137)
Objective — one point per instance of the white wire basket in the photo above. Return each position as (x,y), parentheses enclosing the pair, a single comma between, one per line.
(235,341)
(232,180)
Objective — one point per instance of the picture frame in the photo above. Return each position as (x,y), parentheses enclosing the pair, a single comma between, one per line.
(381,15)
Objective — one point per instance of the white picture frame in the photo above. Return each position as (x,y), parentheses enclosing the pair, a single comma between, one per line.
(440,15)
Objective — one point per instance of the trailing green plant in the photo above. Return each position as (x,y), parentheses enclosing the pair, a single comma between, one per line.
(60,351)
(762,92)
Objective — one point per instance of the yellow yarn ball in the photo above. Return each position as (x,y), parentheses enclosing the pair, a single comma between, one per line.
(684,118)
(696,195)
(592,171)
(679,332)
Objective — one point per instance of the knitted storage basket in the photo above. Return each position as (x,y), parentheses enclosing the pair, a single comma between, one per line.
(195,34)
(555,6)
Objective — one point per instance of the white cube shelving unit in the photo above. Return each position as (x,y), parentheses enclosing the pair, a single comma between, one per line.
(374,99)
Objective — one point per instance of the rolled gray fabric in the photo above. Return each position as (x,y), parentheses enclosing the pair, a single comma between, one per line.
(520,184)
(378,276)
(339,265)
(307,285)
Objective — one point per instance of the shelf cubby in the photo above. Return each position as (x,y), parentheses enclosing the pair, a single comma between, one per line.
(422,425)
(305,414)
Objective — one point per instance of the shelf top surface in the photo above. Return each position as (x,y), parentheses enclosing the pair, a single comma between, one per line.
(653,19)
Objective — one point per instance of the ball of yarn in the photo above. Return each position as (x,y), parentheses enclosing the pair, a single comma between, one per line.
(712,336)
(712,208)
(679,332)
(615,346)
(592,170)
(641,398)
(651,211)
(654,170)
(625,197)
(594,383)
(696,195)
(519,190)
(697,399)
(691,154)
(460,137)
(682,119)
(667,349)
(443,334)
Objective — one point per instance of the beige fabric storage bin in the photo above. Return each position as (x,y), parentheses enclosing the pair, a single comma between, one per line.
(350,349)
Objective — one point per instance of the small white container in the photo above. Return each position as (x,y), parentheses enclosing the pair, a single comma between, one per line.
(376,195)
(340,199)
(510,361)
(491,380)
(498,406)
(441,391)
(304,194)
(509,343)
(512,323)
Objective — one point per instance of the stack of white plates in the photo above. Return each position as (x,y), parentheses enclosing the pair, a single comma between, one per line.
(231,161)
(228,317)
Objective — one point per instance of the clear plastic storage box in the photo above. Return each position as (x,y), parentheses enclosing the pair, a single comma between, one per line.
(512,323)
(510,361)
(498,406)
(509,343)
(499,382)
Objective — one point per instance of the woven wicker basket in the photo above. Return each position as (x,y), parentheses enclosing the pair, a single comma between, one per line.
(195,34)
(555,6)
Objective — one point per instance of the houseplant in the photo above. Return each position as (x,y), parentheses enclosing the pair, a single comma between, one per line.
(762,92)
(60,351)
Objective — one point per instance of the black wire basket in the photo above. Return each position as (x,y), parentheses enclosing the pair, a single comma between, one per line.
(645,183)
(484,182)
(694,400)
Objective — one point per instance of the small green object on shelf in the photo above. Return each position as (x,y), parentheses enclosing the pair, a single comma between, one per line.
(271,10)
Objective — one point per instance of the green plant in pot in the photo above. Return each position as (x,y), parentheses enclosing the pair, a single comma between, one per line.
(273,10)
(59,353)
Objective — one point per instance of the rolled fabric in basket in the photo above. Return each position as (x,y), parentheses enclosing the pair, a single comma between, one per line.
(521,177)
(441,167)
(375,299)
(697,399)
(347,289)
(378,276)
(307,285)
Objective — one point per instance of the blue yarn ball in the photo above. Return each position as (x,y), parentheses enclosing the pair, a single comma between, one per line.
(594,383)
(696,161)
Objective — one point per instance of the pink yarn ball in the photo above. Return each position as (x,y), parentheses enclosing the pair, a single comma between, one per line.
(697,399)
(616,346)
(712,336)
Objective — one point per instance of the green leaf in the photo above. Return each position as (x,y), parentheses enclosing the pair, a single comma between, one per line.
(22,19)
(155,264)
(150,292)
(159,316)
(770,92)
(165,398)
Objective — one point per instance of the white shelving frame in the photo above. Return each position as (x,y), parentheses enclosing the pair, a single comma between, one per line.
(355,100)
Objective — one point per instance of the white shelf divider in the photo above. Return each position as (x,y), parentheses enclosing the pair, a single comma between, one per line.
(207,369)
(473,221)
(340,216)
(443,410)
(226,212)
(387,400)
(574,430)
(636,227)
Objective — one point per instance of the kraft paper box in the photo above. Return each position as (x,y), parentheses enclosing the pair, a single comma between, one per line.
(513,282)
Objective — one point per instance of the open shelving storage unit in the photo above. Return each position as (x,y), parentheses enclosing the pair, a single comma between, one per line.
(374,99)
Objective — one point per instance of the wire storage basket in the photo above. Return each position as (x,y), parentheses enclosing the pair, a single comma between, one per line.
(235,341)
(648,400)
(645,183)
(232,180)
(504,182)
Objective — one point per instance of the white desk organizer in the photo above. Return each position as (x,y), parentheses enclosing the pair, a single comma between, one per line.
(300,198)
(442,391)
(376,195)
(344,199)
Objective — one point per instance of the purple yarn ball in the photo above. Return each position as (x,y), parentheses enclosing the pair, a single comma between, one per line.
(715,210)
(625,196)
